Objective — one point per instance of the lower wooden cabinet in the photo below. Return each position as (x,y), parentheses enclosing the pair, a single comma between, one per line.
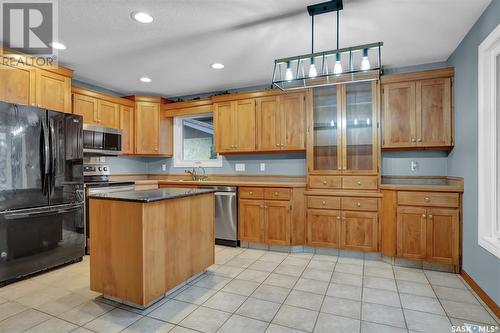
(324,227)
(431,234)
(360,231)
(342,222)
(264,221)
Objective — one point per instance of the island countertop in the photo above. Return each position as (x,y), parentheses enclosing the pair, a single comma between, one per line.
(152,195)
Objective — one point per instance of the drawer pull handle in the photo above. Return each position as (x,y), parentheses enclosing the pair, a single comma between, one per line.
(427,199)
(359,183)
(424,216)
(323,203)
(275,193)
(359,204)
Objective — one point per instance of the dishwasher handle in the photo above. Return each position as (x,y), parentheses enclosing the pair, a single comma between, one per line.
(227,194)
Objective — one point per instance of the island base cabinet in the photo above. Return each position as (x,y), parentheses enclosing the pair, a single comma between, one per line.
(140,251)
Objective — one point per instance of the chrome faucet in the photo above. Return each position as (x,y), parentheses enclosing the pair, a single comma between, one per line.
(195,175)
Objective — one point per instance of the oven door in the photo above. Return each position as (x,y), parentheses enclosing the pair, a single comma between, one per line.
(33,240)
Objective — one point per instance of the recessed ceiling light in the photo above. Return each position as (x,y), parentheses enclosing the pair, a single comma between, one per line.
(145,79)
(217,65)
(58,46)
(142,17)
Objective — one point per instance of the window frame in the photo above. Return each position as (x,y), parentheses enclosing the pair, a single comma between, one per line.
(488,149)
(179,162)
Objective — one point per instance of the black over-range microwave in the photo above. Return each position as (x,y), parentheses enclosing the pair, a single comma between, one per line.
(99,140)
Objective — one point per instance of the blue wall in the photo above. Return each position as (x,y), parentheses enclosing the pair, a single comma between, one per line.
(430,163)
(276,164)
(481,265)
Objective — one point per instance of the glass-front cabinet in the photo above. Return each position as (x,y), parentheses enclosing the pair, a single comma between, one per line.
(343,130)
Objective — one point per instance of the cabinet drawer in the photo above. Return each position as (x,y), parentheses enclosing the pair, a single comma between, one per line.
(325,181)
(323,202)
(277,193)
(431,199)
(369,204)
(251,193)
(360,182)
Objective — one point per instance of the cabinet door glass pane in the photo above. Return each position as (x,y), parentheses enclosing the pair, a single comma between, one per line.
(326,128)
(359,126)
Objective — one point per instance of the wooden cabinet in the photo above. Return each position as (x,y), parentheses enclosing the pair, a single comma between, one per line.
(360,231)
(281,123)
(324,228)
(411,232)
(265,215)
(235,126)
(443,235)
(17,84)
(86,107)
(153,129)
(109,114)
(44,87)
(127,127)
(343,222)
(53,91)
(417,110)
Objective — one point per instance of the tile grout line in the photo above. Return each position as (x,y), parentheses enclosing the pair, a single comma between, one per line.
(399,297)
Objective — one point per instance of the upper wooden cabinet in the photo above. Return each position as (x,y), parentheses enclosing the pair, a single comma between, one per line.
(44,87)
(342,129)
(97,108)
(234,123)
(281,123)
(127,127)
(418,110)
(153,127)
(267,121)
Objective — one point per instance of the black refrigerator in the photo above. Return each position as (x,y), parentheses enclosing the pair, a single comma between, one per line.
(41,190)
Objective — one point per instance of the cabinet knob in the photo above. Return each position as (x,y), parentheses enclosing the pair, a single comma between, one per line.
(324,182)
(430,216)
(419,140)
(359,204)
(275,193)
(413,140)
(338,217)
(251,193)
(427,199)
(323,203)
(277,145)
(33,104)
(424,216)
(359,183)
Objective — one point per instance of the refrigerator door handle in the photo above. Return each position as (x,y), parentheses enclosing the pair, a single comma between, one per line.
(46,156)
(53,156)
(24,213)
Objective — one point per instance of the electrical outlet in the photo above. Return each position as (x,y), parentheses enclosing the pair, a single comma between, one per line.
(103,159)
(163,167)
(239,167)
(263,167)
(413,166)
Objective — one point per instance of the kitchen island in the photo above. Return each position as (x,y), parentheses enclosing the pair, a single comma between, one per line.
(145,243)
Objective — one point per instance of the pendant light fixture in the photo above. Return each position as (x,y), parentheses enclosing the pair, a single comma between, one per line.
(331,67)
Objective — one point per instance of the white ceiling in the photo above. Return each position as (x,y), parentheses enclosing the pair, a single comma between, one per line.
(107,48)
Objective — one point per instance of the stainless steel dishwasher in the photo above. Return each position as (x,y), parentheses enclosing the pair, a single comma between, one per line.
(226,215)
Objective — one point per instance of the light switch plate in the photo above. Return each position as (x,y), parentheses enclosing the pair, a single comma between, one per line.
(263,167)
(413,166)
(239,167)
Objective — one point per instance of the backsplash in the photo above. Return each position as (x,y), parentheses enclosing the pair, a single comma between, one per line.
(427,163)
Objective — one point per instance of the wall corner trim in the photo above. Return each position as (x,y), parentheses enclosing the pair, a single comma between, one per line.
(484,296)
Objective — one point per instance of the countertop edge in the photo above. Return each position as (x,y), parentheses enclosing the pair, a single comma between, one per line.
(145,201)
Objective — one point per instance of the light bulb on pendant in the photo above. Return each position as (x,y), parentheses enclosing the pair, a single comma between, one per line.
(337,69)
(312,69)
(365,62)
(288,73)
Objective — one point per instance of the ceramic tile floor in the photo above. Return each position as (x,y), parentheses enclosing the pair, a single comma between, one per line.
(250,291)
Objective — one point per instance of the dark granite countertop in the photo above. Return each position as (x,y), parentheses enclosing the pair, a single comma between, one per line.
(152,195)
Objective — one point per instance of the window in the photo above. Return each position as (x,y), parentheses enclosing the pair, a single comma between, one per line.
(194,142)
(489,143)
